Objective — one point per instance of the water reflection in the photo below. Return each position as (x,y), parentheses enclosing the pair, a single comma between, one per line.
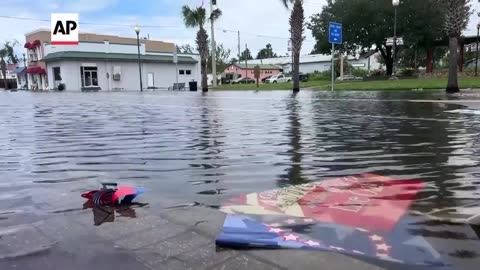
(106,213)
(293,174)
(208,148)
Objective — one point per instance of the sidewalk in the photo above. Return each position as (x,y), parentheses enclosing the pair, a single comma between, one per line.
(182,238)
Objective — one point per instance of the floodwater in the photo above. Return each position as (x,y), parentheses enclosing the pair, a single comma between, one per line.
(203,149)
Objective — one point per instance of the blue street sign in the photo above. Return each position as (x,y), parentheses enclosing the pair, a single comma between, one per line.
(335,33)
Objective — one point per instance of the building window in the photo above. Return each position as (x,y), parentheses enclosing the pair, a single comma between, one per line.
(89,76)
(188,72)
(181,72)
(56,74)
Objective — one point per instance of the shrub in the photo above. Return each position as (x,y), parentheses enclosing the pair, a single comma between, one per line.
(357,72)
(407,72)
(320,76)
(378,72)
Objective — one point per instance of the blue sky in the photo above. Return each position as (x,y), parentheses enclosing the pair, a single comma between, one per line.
(254,18)
(259,21)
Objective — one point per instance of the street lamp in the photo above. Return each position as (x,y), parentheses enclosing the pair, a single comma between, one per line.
(137,30)
(25,69)
(395,4)
(238,39)
(476,57)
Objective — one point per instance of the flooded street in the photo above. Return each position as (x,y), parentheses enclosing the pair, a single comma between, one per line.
(189,148)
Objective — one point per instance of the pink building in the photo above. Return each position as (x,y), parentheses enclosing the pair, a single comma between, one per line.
(248,71)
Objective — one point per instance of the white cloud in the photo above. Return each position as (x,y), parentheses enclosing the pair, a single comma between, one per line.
(88,5)
(255,19)
(259,21)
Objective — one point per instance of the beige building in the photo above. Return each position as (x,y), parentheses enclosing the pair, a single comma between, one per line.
(36,42)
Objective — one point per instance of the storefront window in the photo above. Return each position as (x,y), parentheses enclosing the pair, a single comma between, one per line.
(89,76)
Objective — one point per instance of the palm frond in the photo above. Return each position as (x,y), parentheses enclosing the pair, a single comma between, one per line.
(458,14)
(215,14)
(189,17)
(286,2)
(194,17)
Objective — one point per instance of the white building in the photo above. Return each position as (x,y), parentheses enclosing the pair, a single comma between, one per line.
(114,66)
(319,62)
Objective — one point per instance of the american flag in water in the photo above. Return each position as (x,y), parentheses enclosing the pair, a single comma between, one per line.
(363,215)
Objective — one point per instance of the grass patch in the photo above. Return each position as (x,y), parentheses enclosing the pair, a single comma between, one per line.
(426,84)
(271,86)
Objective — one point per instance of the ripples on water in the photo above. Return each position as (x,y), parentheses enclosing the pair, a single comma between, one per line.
(208,148)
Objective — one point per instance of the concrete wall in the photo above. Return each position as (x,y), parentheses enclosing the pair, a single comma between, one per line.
(164,74)
(106,47)
(151,45)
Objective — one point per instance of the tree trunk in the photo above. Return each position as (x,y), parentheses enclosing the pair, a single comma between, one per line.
(202,43)
(452,85)
(3,69)
(429,63)
(296,72)
(389,66)
(204,76)
(460,57)
(297,22)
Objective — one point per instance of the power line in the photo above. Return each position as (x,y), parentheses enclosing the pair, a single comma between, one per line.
(149,26)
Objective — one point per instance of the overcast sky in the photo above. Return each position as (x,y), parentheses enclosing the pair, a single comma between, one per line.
(259,21)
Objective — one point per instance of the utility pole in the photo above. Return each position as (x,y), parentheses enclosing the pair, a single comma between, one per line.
(246,60)
(214,47)
(341,64)
(333,67)
(476,53)
(239,53)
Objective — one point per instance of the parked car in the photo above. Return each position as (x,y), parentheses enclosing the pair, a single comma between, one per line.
(236,81)
(264,80)
(245,80)
(303,77)
(279,78)
(349,78)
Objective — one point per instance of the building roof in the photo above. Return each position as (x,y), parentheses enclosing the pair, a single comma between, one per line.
(287,60)
(19,70)
(252,66)
(116,57)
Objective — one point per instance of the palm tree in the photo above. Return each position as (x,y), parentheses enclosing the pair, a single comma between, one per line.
(197,18)
(458,13)
(297,28)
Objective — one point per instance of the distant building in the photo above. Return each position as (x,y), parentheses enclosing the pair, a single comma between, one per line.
(320,62)
(10,72)
(104,62)
(21,73)
(247,70)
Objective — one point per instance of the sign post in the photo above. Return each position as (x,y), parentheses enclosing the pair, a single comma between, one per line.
(257,73)
(334,37)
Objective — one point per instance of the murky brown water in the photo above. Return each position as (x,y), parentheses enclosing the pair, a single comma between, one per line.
(190,147)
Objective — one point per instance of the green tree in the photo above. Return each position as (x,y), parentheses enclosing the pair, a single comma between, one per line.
(266,52)
(223,55)
(367,24)
(458,13)
(297,29)
(7,56)
(194,18)
(246,55)
(413,56)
